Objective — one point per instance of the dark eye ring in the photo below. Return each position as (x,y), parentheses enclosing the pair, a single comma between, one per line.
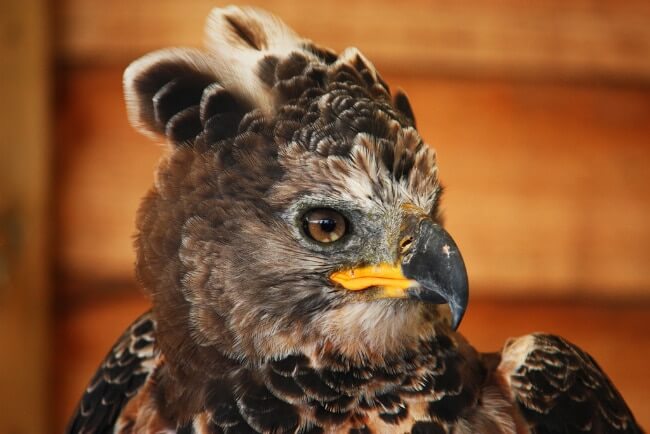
(324,225)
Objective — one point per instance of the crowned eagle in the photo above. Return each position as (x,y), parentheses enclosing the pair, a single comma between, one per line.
(300,276)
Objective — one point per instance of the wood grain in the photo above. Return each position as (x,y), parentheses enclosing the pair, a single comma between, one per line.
(24,164)
(584,39)
(547,185)
(618,336)
(103,169)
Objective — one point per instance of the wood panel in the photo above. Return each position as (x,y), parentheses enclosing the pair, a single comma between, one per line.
(103,169)
(547,185)
(618,336)
(24,165)
(584,39)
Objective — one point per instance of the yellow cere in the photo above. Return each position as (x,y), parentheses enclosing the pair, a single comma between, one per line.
(388,276)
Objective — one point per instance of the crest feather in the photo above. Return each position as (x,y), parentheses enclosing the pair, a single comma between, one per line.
(162,84)
(239,39)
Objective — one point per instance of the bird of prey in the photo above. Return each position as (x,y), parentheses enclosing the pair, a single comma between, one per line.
(300,277)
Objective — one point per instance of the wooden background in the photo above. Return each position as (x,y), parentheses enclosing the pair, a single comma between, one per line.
(539,111)
(24,178)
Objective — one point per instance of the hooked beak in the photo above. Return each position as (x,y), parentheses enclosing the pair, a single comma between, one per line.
(437,265)
(430,269)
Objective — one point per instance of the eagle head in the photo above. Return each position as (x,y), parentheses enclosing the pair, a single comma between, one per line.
(296,210)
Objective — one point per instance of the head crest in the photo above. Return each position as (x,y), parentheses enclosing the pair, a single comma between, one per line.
(251,61)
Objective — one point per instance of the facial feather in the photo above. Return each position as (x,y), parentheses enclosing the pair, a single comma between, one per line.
(286,126)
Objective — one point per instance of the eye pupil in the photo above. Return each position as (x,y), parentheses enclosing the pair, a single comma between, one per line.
(324,225)
(327,225)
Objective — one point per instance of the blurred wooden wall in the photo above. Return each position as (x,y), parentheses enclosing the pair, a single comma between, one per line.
(540,114)
(24,178)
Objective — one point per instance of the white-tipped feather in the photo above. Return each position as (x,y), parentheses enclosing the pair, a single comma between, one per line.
(352,55)
(140,111)
(238,38)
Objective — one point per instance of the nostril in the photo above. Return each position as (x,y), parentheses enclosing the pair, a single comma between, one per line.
(405,244)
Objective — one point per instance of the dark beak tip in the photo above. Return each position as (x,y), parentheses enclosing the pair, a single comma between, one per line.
(456,316)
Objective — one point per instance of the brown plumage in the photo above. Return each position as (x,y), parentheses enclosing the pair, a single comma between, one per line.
(300,278)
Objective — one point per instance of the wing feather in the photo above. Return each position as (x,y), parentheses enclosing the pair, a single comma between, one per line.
(561,389)
(122,373)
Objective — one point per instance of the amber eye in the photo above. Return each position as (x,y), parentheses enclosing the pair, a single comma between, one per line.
(324,225)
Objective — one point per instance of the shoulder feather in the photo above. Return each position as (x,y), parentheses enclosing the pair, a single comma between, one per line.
(559,388)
